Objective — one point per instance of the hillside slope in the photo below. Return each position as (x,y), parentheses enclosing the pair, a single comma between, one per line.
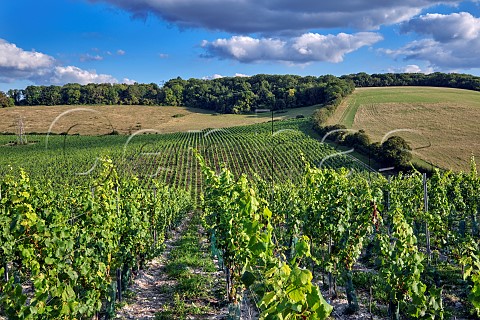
(441,124)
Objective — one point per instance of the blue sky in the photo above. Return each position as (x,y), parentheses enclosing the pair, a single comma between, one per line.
(122,41)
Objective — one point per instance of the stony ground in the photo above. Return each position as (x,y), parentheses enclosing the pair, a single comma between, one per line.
(182,283)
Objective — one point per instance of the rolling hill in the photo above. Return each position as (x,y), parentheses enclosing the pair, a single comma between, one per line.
(441,124)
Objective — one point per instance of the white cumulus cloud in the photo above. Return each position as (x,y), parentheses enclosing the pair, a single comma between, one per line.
(413,68)
(306,48)
(445,27)
(128,81)
(71,74)
(219,76)
(18,64)
(214,76)
(449,41)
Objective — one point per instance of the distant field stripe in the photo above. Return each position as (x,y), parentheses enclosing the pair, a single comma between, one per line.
(348,116)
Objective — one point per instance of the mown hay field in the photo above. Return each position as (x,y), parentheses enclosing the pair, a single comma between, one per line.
(99,120)
(441,124)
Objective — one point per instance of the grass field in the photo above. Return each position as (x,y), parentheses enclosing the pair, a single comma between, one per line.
(98,120)
(441,124)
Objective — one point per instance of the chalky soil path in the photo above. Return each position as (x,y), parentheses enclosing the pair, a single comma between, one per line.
(182,283)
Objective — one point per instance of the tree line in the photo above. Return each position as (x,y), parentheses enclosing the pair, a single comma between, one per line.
(437,79)
(231,94)
(224,95)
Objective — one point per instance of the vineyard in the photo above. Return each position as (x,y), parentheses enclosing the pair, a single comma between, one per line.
(169,158)
(300,230)
(408,245)
(65,253)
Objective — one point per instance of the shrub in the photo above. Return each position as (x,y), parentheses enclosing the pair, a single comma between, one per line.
(5,101)
(396,151)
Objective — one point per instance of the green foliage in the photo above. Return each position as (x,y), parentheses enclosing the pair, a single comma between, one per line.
(72,240)
(69,244)
(357,139)
(289,292)
(436,79)
(5,101)
(236,94)
(396,151)
(402,268)
(224,95)
(341,213)
(471,260)
(168,157)
(242,225)
(242,229)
